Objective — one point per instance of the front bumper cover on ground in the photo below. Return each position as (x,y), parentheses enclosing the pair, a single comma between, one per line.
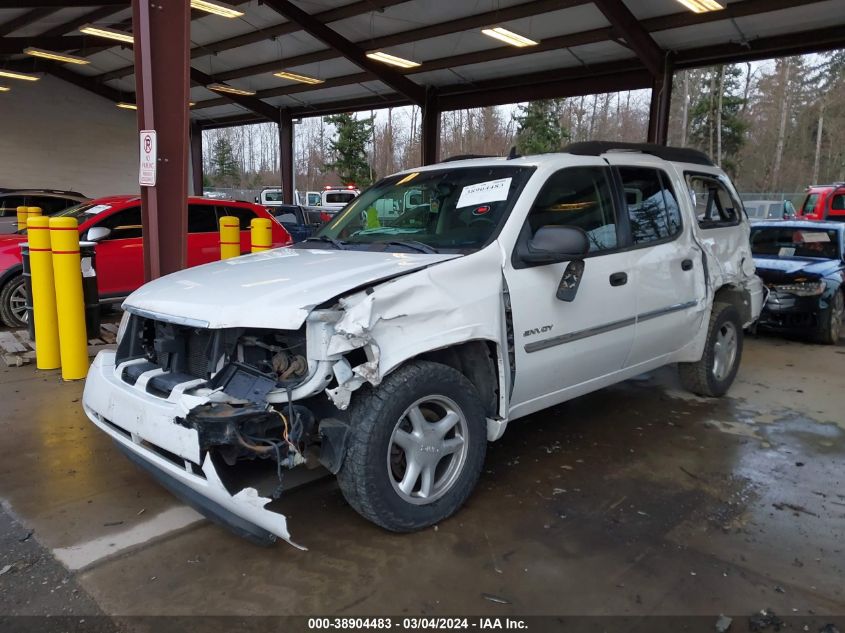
(141,423)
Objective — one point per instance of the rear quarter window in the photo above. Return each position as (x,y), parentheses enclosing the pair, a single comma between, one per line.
(714,204)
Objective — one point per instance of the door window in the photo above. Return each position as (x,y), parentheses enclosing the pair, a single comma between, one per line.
(124,224)
(579,197)
(714,205)
(202,219)
(653,210)
(838,202)
(9,205)
(245,216)
(50,205)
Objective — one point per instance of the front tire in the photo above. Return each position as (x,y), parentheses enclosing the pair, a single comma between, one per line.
(417,447)
(713,375)
(13,303)
(832,327)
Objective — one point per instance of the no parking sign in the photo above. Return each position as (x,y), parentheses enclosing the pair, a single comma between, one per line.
(149,158)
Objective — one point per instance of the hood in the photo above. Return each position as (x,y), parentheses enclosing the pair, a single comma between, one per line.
(11,243)
(774,269)
(273,289)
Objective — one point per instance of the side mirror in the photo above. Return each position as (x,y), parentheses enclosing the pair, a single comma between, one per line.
(553,244)
(97,233)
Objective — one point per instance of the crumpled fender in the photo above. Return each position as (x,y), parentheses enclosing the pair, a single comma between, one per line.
(451,303)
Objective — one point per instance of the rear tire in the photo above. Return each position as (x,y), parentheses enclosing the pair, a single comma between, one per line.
(713,375)
(402,471)
(831,329)
(13,303)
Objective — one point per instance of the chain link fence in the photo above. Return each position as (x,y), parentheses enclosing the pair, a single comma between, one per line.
(795,198)
(230,193)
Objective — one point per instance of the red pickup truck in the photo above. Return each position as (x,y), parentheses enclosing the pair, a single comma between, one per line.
(824,202)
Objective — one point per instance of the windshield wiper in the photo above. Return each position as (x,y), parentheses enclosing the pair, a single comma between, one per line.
(328,240)
(412,244)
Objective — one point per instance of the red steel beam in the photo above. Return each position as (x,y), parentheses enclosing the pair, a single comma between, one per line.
(162,43)
(635,34)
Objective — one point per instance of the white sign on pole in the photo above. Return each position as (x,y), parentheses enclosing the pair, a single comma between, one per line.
(149,159)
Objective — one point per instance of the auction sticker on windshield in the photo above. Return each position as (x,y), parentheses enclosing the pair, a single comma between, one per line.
(490,191)
(97,208)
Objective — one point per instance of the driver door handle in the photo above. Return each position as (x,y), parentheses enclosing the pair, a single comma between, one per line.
(618,279)
(686,264)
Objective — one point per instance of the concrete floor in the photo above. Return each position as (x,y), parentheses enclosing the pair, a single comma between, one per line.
(636,500)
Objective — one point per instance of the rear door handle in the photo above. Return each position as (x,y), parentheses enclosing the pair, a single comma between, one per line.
(686,264)
(618,279)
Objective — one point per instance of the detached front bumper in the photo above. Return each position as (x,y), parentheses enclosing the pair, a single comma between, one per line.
(143,427)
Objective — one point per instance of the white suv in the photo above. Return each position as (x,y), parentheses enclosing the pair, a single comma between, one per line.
(392,349)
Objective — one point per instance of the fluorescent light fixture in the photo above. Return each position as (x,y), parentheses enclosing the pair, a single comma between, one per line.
(59,57)
(104,31)
(392,60)
(303,79)
(508,37)
(23,76)
(4,89)
(703,6)
(217,8)
(230,90)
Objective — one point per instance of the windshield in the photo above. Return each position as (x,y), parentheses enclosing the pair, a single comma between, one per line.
(810,203)
(458,209)
(795,242)
(83,212)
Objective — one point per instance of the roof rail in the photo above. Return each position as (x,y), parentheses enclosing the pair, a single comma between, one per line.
(677,154)
(466,157)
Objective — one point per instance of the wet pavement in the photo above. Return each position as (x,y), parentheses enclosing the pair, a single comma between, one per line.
(638,499)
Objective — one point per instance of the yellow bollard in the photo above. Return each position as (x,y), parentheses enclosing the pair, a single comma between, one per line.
(230,237)
(261,234)
(32,212)
(70,304)
(22,215)
(43,294)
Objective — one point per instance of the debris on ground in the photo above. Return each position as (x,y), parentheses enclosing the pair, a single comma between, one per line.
(493,598)
(6,569)
(723,624)
(763,620)
(795,508)
(26,536)
(779,589)
(112,523)
(829,628)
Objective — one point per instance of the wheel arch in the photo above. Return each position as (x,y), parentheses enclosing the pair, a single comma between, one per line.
(736,296)
(10,273)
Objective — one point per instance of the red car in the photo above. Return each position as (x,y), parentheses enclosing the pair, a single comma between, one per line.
(120,264)
(824,202)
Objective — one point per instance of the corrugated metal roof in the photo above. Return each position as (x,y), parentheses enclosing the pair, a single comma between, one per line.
(444,36)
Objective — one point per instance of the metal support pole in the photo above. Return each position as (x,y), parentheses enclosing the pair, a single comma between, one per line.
(430,131)
(286,154)
(661,104)
(162,70)
(196,159)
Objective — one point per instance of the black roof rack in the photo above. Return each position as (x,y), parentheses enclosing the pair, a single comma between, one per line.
(466,157)
(677,154)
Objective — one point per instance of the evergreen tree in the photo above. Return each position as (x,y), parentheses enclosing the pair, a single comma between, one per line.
(719,131)
(538,127)
(348,149)
(224,166)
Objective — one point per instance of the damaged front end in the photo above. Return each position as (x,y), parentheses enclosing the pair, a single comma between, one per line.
(222,417)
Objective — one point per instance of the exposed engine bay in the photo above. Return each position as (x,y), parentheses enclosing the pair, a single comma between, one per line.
(236,371)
